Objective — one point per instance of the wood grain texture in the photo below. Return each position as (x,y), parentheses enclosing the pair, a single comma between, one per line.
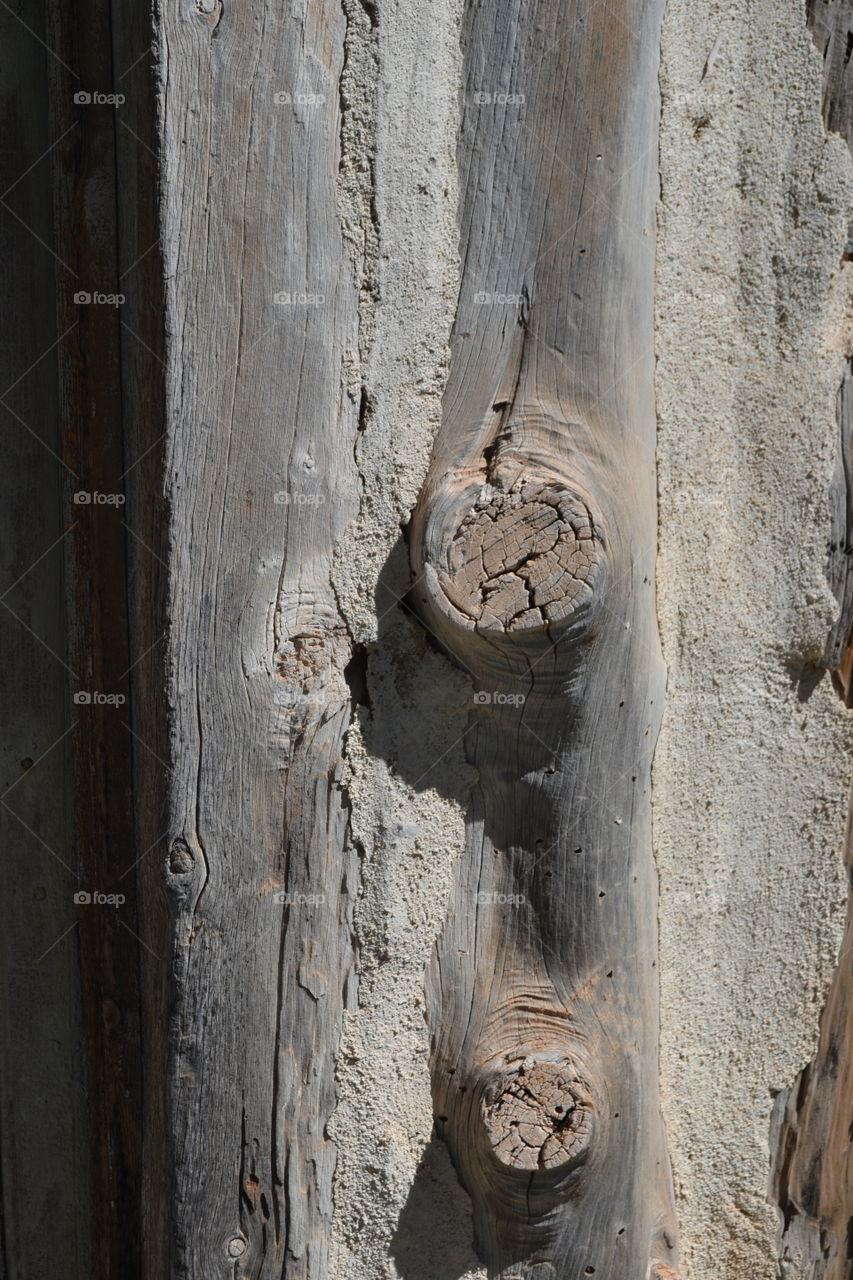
(45,1212)
(533,550)
(839,653)
(812,1177)
(98,643)
(147,724)
(831,23)
(261,418)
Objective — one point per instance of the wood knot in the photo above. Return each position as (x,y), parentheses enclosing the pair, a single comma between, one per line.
(538,1116)
(522,558)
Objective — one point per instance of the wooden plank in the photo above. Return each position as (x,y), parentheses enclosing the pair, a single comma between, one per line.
(533,549)
(261,417)
(43,1151)
(141,343)
(83,120)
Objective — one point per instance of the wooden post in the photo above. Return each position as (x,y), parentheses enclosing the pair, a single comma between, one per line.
(261,417)
(533,550)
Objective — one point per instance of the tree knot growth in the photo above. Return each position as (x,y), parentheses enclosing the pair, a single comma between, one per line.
(539,1116)
(523,558)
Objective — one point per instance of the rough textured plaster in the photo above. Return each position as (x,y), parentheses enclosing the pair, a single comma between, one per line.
(399,1210)
(751,773)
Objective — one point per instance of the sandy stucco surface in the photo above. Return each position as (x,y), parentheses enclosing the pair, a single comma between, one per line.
(751,773)
(399,1210)
(752,767)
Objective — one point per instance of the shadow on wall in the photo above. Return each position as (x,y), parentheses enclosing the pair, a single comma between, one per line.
(435,1230)
(417,719)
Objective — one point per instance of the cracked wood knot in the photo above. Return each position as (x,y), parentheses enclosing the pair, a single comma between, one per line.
(523,558)
(539,1116)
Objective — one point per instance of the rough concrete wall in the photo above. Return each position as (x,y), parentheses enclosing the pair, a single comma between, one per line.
(399,1208)
(751,775)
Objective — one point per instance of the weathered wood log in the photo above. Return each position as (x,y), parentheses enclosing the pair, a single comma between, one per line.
(262,412)
(533,551)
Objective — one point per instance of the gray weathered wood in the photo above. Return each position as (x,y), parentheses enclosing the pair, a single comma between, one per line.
(839,655)
(533,547)
(261,416)
(831,23)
